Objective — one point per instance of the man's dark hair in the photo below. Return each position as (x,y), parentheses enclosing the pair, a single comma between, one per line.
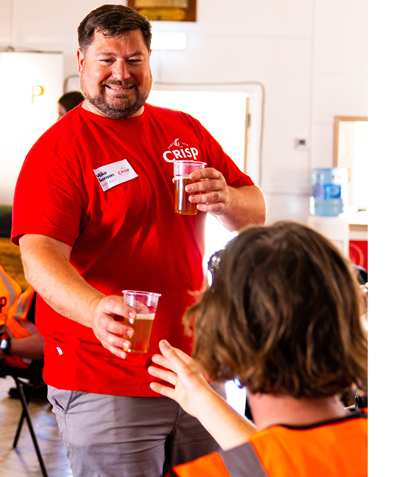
(282,315)
(70,100)
(113,21)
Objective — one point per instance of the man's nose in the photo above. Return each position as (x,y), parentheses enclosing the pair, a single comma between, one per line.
(120,70)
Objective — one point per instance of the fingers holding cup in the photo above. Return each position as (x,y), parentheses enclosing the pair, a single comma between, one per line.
(209,192)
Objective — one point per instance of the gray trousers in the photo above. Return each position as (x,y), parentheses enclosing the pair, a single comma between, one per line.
(119,436)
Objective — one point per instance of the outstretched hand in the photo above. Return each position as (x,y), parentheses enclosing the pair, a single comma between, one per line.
(189,388)
(191,391)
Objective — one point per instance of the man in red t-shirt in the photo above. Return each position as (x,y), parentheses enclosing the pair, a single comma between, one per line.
(94,214)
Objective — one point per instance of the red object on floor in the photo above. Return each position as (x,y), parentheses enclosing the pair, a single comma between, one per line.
(358,252)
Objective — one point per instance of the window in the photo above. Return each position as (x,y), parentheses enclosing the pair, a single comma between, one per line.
(351,145)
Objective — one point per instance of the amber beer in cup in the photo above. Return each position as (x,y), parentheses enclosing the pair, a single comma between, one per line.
(145,305)
(182,170)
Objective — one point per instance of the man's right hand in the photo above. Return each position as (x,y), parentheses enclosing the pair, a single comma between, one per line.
(49,271)
(106,328)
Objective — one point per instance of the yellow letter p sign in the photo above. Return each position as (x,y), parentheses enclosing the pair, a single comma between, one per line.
(37,91)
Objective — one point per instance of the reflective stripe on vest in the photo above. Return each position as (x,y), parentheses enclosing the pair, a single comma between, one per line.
(24,303)
(18,326)
(243,461)
(10,290)
(14,314)
(17,323)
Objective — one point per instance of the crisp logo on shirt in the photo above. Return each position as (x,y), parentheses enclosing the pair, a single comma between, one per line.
(123,171)
(178,150)
(114,174)
(177,143)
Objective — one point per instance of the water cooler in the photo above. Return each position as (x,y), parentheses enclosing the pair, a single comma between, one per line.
(327,201)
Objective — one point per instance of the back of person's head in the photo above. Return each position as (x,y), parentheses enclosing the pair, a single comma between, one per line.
(71,100)
(282,315)
(113,21)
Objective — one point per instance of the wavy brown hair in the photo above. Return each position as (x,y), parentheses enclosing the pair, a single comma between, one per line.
(282,315)
(113,21)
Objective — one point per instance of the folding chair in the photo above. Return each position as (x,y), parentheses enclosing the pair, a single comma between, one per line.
(27,373)
(24,381)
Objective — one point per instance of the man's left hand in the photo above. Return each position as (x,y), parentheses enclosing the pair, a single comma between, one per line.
(210,191)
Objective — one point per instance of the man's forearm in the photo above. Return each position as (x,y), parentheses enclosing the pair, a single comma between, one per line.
(48,270)
(247,206)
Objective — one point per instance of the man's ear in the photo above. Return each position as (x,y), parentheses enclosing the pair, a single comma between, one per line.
(81,60)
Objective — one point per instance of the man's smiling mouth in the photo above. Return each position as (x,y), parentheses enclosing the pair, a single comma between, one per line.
(119,87)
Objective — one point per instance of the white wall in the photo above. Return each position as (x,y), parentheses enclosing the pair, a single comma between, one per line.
(29,102)
(311,56)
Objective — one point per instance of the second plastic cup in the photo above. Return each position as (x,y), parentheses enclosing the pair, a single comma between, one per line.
(181,179)
(145,304)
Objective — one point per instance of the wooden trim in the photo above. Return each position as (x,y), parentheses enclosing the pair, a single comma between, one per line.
(246,134)
(336,142)
(338,120)
(351,118)
(358,227)
(167,13)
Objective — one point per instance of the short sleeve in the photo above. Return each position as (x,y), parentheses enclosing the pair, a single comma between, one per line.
(47,199)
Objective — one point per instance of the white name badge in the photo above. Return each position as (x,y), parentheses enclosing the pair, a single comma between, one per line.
(114,174)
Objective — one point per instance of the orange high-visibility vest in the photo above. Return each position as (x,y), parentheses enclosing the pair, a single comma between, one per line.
(18,326)
(10,290)
(334,449)
(16,307)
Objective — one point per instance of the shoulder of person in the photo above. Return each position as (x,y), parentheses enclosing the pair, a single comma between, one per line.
(59,135)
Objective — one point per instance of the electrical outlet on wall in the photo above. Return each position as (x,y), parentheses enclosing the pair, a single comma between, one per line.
(301,143)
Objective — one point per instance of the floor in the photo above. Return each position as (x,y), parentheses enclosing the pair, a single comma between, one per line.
(22,461)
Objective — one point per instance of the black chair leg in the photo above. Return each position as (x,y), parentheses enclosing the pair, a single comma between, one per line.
(25,413)
(21,421)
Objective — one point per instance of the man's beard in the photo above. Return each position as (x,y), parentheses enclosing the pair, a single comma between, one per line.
(120,106)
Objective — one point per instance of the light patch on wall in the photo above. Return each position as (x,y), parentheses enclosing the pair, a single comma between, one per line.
(30,86)
(168,40)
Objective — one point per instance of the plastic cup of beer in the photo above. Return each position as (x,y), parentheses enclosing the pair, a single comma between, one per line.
(145,305)
(182,170)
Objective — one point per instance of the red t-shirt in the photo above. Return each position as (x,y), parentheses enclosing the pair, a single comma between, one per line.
(126,237)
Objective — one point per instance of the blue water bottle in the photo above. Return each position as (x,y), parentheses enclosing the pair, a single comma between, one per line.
(329,191)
